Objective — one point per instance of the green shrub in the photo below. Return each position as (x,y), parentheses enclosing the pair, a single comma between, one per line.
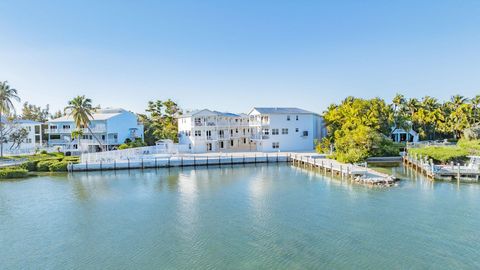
(43,152)
(442,154)
(44,165)
(73,159)
(473,146)
(30,165)
(58,166)
(124,146)
(8,173)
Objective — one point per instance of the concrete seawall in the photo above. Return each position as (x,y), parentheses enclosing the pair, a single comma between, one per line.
(179,161)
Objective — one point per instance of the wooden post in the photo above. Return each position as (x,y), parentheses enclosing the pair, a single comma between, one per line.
(128,159)
(458,172)
(341,171)
(194,162)
(331,168)
(142,164)
(156,162)
(182,161)
(433,168)
(100,165)
(115,164)
(86,165)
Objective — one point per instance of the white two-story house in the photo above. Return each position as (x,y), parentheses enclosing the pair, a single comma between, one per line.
(285,129)
(108,128)
(263,129)
(29,144)
(212,131)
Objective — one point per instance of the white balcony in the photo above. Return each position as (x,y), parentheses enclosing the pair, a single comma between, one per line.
(259,137)
(70,130)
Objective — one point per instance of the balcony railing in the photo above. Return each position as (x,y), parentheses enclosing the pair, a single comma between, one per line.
(70,130)
(260,137)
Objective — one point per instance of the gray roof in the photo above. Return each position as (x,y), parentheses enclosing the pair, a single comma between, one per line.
(192,113)
(23,121)
(281,110)
(20,121)
(101,114)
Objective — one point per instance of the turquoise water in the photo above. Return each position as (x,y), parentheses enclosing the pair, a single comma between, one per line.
(253,217)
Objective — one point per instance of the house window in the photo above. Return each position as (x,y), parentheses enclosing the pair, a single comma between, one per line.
(284,131)
(296,117)
(296,130)
(55,137)
(66,126)
(275,145)
(274,131)
(53,127)
(198,121)
(266,131)
(305,133)
(221,145)
(231,142)
(198,133)
(244,140)
(288,117)
(236,130)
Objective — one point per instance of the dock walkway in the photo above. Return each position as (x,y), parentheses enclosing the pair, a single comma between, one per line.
(357,173)
(447,172)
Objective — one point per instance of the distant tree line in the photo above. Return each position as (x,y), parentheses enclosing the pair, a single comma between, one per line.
(359,128)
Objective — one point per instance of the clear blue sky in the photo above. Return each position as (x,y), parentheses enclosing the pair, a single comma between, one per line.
(232,55)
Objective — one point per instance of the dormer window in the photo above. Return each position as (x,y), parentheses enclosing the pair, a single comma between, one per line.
(288,117)
(296,117)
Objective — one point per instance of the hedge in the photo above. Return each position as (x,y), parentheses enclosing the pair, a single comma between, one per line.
(30,165)
(58,166)
(44,165)
(9,173)
(72,159)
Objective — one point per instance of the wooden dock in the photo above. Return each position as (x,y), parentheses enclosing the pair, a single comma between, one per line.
(425,166)
(356,173)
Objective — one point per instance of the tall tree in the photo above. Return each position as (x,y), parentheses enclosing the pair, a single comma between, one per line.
(35,113)
(81,110)
(160,122)
(7,96)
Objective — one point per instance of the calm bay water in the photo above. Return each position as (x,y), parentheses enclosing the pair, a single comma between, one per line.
(252,217)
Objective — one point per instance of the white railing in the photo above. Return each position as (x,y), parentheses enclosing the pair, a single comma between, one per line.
(70,130)
(134,153)
(28,151)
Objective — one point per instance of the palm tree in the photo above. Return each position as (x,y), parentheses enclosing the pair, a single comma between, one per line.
(77,134)
(81,109)
(475,107)
(7,94)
